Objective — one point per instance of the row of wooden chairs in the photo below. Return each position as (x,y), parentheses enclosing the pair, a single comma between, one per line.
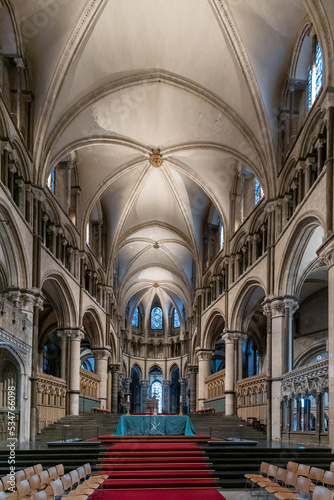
(290,483)
(34,473)
(47,483)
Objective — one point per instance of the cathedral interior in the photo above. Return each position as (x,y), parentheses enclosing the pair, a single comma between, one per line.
(167,211)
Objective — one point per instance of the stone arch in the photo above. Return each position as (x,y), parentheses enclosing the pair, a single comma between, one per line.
(60,296)
(246,302)
(215,323)
(300,251)
(93,328)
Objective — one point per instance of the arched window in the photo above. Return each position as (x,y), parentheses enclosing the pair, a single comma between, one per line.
(176,319)
(51,181)
(221,235)
(258,191)
(135,318)
(156,318)
(156,391)
(315,74)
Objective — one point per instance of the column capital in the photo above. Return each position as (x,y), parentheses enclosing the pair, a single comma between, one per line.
(203,354)
(101,353)
(292,303)
(114,367)
(193,369)
(77,335)
(274,306)
(229,336)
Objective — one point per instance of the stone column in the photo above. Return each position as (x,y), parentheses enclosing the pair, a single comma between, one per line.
(291,305)
(101,356)
(240,337)
(307,175)
(166,384)
(204,370)
(229,339)
(76,337)
(114,393)
(329,172)
(277,315)
(192,372)
(109,388)
(144,391)
(63,335)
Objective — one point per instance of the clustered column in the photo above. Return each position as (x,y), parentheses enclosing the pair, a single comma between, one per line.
(204,370)
(76,337)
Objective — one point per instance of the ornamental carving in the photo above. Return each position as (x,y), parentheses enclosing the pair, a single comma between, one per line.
(306,381)
(204,354)
(156,159)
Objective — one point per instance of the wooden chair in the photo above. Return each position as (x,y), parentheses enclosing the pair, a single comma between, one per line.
(40,495)
(278,483)
(74,478)
(35,483)
(303,490)
(19,475)
(316,476)
(57,489)
(290,484)
(322,493)
(328,479)
(38,468)
(60,470)
(44,478)
(263,473)
(303,470)
(292,466)
(23,490)
(100,478)
(67,482)
(29,471)
(53,475)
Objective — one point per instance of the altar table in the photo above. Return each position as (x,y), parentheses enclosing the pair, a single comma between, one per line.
(145,425)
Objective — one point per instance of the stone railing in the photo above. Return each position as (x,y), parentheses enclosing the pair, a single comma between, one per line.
(89,383)
(251,395)
(306,380)
(215,385)
(51,397)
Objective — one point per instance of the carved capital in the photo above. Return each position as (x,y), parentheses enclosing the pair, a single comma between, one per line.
(203,354)
(292,303)
(77,335)
(101,354)
(114,368)
(193,369)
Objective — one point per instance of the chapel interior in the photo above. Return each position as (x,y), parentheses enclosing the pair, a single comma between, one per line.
(167,212)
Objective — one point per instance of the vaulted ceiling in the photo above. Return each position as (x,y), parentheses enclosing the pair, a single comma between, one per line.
(199,79)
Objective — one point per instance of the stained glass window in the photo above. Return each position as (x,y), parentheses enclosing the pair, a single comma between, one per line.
(176,319)
(51,181)
(221,235)
(135,319)
(156,391)
(258,191)
(156,318)
(315,77)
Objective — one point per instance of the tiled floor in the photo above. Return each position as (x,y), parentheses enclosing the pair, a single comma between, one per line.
(235,494)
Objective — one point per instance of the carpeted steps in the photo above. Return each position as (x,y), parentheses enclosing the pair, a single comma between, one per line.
(156,466)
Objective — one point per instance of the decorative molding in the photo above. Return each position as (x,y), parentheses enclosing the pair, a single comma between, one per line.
(306,380)
(203,354)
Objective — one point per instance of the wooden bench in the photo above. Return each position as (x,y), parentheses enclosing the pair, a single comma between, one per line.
(95,409)
(205,411)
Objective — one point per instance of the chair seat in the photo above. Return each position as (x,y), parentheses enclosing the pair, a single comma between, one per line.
(286,496)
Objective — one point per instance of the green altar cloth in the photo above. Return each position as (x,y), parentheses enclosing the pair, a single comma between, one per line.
(164,425)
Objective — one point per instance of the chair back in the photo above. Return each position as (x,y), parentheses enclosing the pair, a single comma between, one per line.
(272,470)
(75,477)
(328,478)
(38,468)
(40,495)
(316,474)
(322,493)
(292,466)
(281,474)
(6,482)
(29,471)
(45,478)
(303,486)
(331,467)
(82,473)
(264,467)
(291,478)
(23,489)
(60,470)
(57,488)
(53,473)
(67,482)
(303,470)
(19,475)
(35,483)
(88,469)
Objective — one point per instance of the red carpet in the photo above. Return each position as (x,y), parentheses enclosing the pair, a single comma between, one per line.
(162,494)
(142,467)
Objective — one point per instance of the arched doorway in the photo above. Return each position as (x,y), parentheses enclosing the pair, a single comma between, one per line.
(9,393)
(135,389)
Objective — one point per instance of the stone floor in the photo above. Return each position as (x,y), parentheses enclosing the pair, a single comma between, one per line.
(235,494)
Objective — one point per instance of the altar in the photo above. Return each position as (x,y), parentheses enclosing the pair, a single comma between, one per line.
(152,425)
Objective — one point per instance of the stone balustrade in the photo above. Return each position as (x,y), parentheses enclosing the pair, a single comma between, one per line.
(89,384)
(51,396)
(215,385)
(251,396)
(306,380)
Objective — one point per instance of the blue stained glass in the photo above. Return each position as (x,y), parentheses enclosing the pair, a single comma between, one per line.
(221,235)
(156,391)
(156,318)
(51,181)
(176,319)
(135,319)
(309,94)
(258,193)
(318,70)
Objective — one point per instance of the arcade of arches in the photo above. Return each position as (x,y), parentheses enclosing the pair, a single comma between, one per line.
(167,210)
